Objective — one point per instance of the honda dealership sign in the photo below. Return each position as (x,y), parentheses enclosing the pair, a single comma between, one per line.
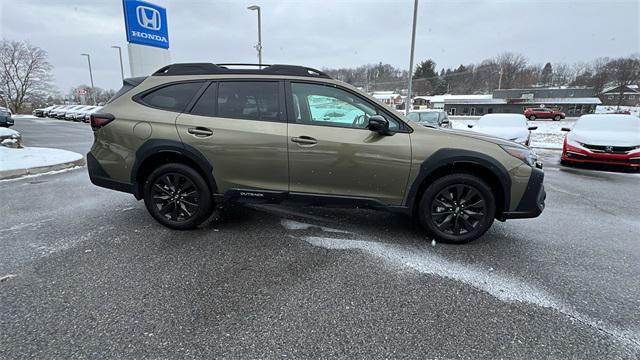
(146,24)
(148,36)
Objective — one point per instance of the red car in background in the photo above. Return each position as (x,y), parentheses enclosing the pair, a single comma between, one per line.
(603,139)
(543,113)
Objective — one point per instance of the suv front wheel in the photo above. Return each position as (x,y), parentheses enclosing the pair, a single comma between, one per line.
(457,208)
(177,196)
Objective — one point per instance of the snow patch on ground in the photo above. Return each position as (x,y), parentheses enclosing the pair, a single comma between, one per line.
(34,157)
(295,225)
(499,285)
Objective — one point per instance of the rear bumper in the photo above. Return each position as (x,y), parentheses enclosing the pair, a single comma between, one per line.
(532,203)
(99,177)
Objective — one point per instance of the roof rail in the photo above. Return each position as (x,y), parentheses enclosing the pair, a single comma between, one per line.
(261,69)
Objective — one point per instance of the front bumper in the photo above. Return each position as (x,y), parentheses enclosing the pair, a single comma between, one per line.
(578,155)
(532,203)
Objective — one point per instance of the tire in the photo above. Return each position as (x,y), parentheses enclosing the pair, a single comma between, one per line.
(177,196)
(532,117)
(457,229)
(556,118)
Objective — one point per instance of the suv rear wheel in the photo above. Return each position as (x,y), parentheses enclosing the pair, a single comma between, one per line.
(457,208)
(557,118)
(532,117)
(177,196)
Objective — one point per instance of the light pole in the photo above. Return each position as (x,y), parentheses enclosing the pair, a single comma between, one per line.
(259,46)
(413,44)
(93,93)
(120,55)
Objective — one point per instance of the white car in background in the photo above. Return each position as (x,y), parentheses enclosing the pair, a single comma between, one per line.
(437,118)
(77,113)
(86,115)
(512,127)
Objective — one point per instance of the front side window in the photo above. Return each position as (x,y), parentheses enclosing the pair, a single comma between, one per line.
(174,97)
(249,100)
(329,106)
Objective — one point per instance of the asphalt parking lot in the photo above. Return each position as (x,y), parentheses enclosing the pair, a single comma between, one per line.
(87,273)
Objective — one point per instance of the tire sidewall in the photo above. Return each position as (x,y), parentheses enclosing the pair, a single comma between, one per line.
(205,199)
(431,192)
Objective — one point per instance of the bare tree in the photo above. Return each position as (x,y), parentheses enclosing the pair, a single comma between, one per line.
(623,72)
(562,74)
(510,67)
(25,73)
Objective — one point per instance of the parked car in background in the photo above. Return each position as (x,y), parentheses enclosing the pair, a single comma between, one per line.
(59,112)
(73,113)
(40,111)
(5,118)
(86,116)
(47,112)
(544,113)
(68,114)
(512,127)
(603,139)
(438,118)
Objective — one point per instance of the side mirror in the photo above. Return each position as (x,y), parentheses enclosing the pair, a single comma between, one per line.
(379,124)
(566,129)
(470,126)
(445,121)
(533,128)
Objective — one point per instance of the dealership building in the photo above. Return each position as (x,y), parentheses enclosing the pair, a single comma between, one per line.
(572,101)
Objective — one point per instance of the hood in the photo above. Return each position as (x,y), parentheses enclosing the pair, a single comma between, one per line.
(502,132)
(614,138)
(478,136)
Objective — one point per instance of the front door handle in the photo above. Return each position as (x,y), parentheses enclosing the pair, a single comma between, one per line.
(304,140)
(200,131)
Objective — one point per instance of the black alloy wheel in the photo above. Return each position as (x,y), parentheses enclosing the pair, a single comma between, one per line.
(177,196)
(457,208)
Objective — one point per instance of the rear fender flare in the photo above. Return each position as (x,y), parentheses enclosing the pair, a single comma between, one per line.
(153,147)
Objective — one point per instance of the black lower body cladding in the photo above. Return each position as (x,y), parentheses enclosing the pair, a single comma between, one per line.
(532,202)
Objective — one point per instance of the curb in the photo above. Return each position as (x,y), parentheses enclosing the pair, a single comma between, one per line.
(12,174)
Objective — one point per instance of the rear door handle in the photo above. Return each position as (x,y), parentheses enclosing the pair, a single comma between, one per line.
(304,140)
(200,131)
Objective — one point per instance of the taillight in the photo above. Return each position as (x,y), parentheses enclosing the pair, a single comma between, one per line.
(100,120)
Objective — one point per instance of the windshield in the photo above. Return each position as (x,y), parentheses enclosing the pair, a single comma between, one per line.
(502,120)
(625,123)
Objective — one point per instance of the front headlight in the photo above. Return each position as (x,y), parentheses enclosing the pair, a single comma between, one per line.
(527,155)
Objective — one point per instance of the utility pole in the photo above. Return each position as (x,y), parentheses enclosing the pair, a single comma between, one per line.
(413,44)
(500,79)
(259,46)
(93,92)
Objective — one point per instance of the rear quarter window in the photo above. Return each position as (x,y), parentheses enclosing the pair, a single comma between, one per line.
(173,97)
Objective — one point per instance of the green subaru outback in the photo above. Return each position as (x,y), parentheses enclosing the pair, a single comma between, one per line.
(191,137)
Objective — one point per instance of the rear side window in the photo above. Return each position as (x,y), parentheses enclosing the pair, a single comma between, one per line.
(173,97)
(206,104)
(249,100)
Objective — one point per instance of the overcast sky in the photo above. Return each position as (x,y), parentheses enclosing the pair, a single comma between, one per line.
(328,33)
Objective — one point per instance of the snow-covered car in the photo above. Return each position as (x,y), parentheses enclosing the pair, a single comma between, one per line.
(512,127)
(48,112)
(40,112)
(430,117)
(5,118)
(74,113)
(603,139)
